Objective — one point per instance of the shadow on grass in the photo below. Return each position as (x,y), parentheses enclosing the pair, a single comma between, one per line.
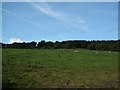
(8,84)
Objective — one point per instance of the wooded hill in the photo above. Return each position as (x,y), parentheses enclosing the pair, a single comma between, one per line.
(106,45)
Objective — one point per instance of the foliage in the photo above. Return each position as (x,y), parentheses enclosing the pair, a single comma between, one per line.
(110,45)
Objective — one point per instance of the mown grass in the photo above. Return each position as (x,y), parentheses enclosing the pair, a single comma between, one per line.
(57,68)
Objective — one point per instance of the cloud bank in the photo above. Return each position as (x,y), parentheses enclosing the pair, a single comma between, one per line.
(12,40)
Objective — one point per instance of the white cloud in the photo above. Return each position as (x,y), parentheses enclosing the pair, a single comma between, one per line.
(28,21)
(24,19)
(75,22)
(45,8)
(12,40)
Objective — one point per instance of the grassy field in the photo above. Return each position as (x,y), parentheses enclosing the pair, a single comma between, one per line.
(0,68)
(58,68)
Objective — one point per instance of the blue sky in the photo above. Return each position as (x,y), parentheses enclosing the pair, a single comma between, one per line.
(59,21)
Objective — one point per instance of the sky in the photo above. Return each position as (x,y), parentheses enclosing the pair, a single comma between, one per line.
(59,21)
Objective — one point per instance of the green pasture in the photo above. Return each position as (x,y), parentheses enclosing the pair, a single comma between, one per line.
(59,68)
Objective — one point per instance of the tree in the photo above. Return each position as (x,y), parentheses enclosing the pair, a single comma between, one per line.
(111,45)
(57,45)
(49,45)
(33,44)
(42,44)
(91,46)
(3,45)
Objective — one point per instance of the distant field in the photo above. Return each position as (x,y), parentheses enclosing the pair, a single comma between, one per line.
(57,68)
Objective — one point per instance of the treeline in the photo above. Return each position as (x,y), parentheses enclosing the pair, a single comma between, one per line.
(107,45)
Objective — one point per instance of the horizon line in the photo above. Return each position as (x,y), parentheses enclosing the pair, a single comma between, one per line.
(62,40)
